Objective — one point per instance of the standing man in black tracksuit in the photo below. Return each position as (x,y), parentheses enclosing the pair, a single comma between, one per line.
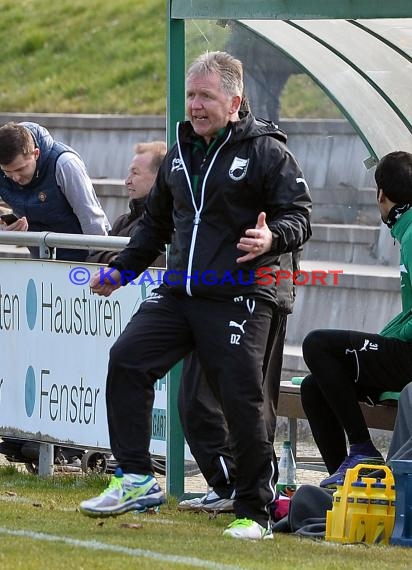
(226,185)
(200,410)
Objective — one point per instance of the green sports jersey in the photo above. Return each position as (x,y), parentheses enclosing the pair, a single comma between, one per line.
(401,326)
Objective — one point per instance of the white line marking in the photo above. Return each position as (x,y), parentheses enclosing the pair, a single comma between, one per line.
(137,552)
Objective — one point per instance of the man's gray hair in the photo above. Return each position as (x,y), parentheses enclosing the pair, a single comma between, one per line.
(225,65)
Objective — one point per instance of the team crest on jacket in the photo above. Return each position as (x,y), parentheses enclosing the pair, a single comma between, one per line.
(239,168)
(176,165)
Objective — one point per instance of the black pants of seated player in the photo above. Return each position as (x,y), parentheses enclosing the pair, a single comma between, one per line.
(347,367)
(202,418)
(230,340)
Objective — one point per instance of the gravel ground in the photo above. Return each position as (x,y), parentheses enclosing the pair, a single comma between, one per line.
(197,484)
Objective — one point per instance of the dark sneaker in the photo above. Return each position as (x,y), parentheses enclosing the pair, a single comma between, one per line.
(350,462)
(209,502)
(128,492)
(246,528)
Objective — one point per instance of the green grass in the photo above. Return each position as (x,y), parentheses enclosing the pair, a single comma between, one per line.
(99,56)
(41,528)
(302,98)
(83,56)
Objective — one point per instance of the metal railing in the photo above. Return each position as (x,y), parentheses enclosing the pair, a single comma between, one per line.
(47,241)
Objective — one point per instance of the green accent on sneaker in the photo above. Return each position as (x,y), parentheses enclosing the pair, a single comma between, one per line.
(139,490)
(244,525)
(115,483)
(124,493)
(240,523)
(132,492)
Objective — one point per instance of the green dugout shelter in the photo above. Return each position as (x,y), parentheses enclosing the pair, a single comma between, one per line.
(358,52)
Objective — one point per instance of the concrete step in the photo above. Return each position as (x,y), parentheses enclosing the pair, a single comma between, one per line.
(348,243)
(13,251)
(345,205)
(113,196)
(293,363)
(331,205)
(363,298)
(360,297)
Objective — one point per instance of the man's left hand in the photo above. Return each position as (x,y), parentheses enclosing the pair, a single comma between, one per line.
(256,241)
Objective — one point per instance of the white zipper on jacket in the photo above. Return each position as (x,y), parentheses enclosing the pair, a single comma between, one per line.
(198,210)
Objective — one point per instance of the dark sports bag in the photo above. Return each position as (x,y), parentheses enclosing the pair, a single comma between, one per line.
(307,512)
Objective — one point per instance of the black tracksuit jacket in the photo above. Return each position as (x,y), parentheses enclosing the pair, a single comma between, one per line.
(250,171)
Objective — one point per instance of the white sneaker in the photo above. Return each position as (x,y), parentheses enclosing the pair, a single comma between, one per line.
(125,493)
(246,528)
(209,502)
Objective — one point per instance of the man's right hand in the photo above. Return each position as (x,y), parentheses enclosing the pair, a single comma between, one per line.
(102,285)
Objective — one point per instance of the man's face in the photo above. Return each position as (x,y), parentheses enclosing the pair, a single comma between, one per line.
(141,178)
(208,107)
(21,170)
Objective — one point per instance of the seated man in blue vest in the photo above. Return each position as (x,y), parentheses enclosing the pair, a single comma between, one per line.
(46,184)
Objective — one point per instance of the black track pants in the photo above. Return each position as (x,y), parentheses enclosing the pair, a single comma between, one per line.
(203,421)
(230,339)
(347,367)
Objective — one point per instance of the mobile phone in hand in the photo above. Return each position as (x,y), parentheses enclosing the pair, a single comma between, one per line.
(9,218)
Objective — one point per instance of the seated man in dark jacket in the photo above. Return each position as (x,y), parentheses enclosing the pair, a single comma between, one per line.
(142,174)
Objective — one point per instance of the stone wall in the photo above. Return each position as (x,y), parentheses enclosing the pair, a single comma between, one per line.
(330,151)
(105,142)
